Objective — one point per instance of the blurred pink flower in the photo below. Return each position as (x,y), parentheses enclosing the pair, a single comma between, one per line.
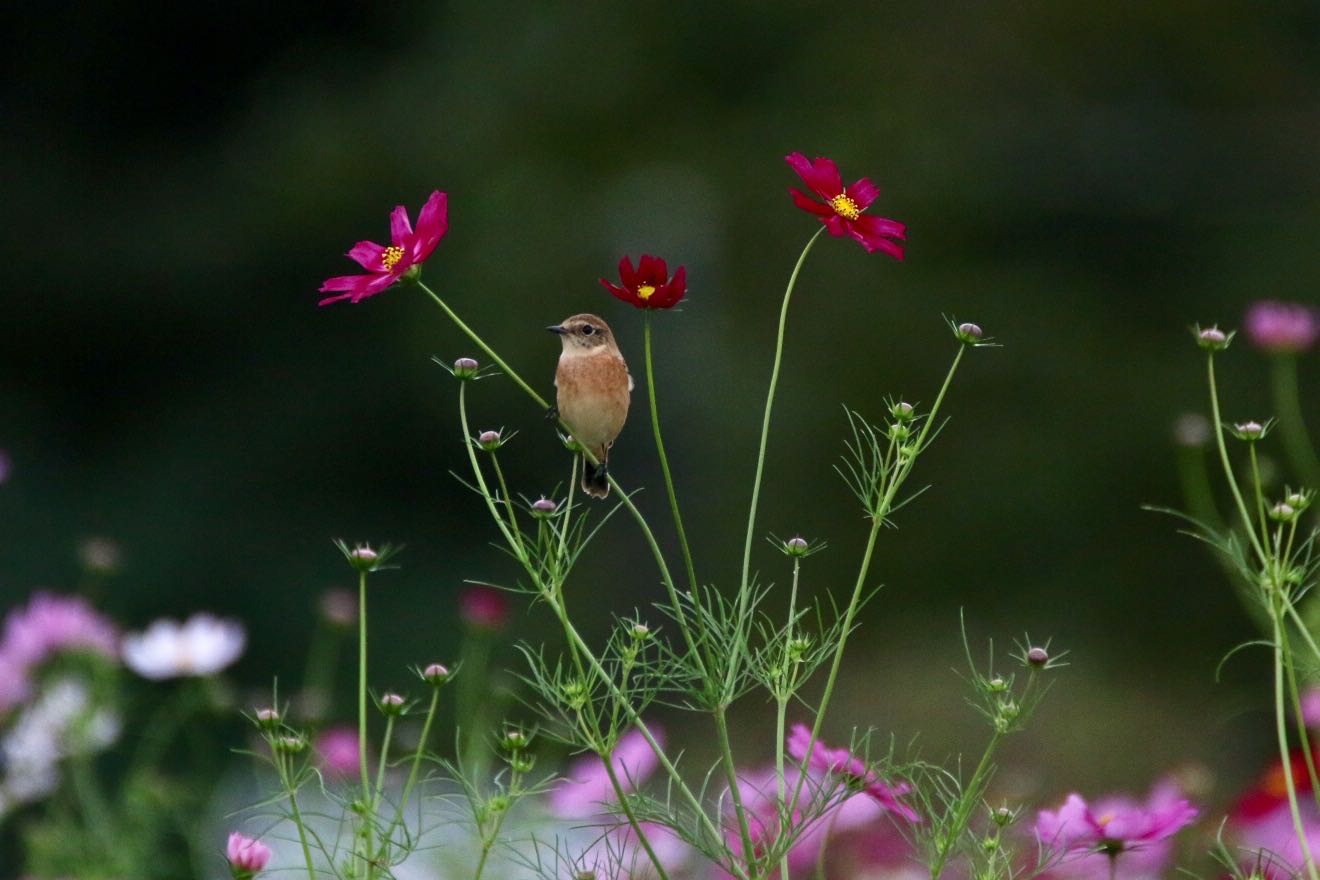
(386,264)
(51,624)
(1282,327)
(851,769)
(201,646)
(338,750)
(586,790)
(246,856)
(339,607)
(1084,838)
(483,607)
(843,211)
(1311,706)
(1272,840)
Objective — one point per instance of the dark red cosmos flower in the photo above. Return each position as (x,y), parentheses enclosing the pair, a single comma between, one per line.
(650,287)
(844,207)
(407,250)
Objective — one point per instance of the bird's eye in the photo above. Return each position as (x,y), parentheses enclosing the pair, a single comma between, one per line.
(588,330)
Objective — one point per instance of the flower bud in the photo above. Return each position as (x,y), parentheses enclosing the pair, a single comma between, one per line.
(798,646)
(291,744)
(498,803)
(1003,816)
(899,432)
(247,857)
(570,444)
(796,546)
(1283,512)
(515,740)
(1037,657)
(1212,338)
(268,718)
(391,704)
(436,674)
(575,694)
(997,685)
(363,558)
(903,411)
(1298,501)
(522,762)
(640,632)
(1249,431)
(490,440)
(465,368)
(968,333)
(544,508)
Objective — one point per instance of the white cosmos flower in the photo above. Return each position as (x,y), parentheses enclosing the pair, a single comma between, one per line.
(201,646)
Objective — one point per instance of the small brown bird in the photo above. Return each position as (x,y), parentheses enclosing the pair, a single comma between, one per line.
(593,387)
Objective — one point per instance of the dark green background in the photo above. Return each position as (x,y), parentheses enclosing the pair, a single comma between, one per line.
(1082,179)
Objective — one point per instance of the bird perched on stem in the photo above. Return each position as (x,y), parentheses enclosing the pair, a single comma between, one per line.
(593,388)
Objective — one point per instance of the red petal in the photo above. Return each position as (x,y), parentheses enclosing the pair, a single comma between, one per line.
(874,225)
(359,287)
(652,271)
(809,205)
(863,192)
(368,255)
(400,226)
(620,293)
(432,224)
(345,282)
(873,233)
(820,174)
(626,273)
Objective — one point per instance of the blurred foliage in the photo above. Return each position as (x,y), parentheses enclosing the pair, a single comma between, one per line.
(1082,179)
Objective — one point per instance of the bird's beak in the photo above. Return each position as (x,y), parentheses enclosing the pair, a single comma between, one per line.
(557,328)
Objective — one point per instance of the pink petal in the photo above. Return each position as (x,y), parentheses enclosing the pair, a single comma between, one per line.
(820,174)
(863,192)
(359,287)
(432,224)
(400,227)
(345,282)
(368,255)
(873,234)
(808,204)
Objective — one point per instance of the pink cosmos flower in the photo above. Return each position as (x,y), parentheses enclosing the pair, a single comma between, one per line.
(649,286)
(843,763)
(843,211)
(1271,840)
(586,790)
(482,607)
(51,624)
(1282,327)
(246,856)
(386,264)
(1085,838)
(340,756)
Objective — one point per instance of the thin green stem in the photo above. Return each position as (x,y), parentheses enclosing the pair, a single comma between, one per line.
(1227,466)
(735,792)
(379,791)
(1295,699)
(664,460)
(781,704)
(744,587)
(1281,727)
(632,818)
(282,767)
(362,720)
(1257,490)
(508,499)
(963,811)
(94,807)
(877,522)
(397,821)
(1287,403)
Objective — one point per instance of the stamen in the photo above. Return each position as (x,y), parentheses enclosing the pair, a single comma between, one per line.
(645,291)
(845,207)
(390,257)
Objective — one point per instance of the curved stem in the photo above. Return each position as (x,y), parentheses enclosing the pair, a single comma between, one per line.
(1228,467)
(743,585)
(412,772)
(664,460)
(1281,727)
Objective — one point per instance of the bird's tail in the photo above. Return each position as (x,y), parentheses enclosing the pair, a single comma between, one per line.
(595,477)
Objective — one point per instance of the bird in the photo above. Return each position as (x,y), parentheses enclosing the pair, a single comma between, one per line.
(593,387)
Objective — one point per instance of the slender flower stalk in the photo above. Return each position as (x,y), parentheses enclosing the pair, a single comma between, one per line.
(290,790)
(387,837)
(1218,426)
(789,676)
(1281,728)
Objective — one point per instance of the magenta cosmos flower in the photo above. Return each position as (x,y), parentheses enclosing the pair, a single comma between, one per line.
(844,208)
(649,286)
(1085,837)
(247,857)
(484,608)
(386,264)
(844,764)
(1282,327)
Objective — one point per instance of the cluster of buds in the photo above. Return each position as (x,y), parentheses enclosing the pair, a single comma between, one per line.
(1212,338)
(1291,507)
(289,744)
(574,691)
(1007,711)
(797,648)
(515,744)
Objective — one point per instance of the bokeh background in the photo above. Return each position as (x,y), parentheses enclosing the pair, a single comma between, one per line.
(1084,180)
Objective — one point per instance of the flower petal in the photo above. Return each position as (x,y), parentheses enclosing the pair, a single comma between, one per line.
(863,192)
(368,255)
(432,224)
(359,287)
(820,174)
(400,226)
(627,274)
(345,282)
(621,293)
(808,204)
(874,234)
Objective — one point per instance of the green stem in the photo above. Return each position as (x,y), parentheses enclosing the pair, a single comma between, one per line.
(632,818)
(735,792)
(877,522)
(379,790)
(781,706)
(744,588)
(362,719)
(412,771)
(664,461)
(1295,698)
(1227,466)
(281,766)
(1287,403)
(508,499)
(94,807)
(1281,727)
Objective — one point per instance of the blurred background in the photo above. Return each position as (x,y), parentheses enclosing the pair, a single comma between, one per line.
(1084,180)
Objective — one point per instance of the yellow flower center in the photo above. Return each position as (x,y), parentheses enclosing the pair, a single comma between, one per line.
(644,292)
(1105,819)
(390,257)
(845,207)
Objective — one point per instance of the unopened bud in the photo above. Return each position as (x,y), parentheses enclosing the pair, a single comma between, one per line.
(522,762)
(1298,501)
(544,507)
(997,685)
(291,744)
(465,368)
(575,694)
(898,432)
(1003,816)
(796,546)
(436,674)
(1212,338)
(1249,430)
(1037,657)
(515,740)
(490,440)
(903,411)
(363,558)
(268,718)
(391,704)
(968,333)
(1282,512)
(641,632)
